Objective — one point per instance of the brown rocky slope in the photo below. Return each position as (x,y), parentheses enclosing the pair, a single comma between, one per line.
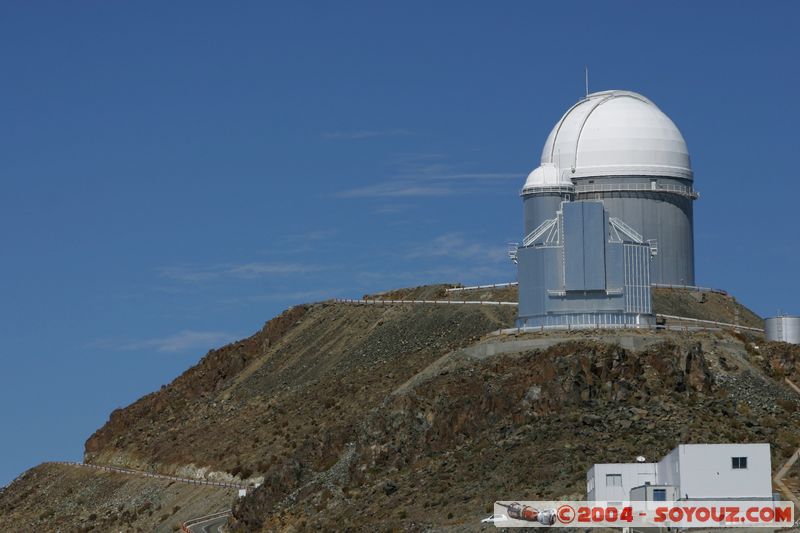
(399,417)
(54,497)
(528,424)
(294,392)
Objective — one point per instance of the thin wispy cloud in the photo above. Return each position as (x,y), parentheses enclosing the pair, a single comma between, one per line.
(364,134)
(397,189)
(448,258)
(313,235)
(181,341)
(234,271)
(418,177)
(475,176)
(417,157)
(456,245)
(391,209)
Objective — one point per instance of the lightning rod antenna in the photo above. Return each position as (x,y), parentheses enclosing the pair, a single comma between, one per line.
(586,78)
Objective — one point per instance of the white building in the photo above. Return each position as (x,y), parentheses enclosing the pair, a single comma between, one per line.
(612,482)
(692,471)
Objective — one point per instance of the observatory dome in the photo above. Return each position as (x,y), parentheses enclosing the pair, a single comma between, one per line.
(617,133)
(547,176)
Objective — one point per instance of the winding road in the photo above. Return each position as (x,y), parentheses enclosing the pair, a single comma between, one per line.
(204,524)
(212,525)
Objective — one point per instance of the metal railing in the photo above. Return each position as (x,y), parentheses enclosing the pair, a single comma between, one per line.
(688,288)
(475,287)
(437,302)
(657,285)
(713,322)
(128,471)
(186,526)
(681,190)
(566,327)
(565,188)
(581,327)
(481,302)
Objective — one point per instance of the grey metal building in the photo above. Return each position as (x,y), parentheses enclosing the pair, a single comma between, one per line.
(607,213)
(584,268)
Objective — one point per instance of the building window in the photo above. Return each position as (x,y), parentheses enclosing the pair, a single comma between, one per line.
(613,480)
(739,463)
(659,495)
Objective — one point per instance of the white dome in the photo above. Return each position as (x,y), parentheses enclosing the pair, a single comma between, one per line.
(547,176)
(617,133)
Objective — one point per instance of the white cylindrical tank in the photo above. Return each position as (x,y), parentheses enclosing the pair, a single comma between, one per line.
(783,329)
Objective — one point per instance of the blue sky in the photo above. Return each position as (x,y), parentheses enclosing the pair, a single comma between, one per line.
(176,173)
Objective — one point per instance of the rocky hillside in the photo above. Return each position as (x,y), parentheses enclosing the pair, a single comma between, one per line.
(296,390)
(415,417)
(53,497)
(472,428)
(704,305)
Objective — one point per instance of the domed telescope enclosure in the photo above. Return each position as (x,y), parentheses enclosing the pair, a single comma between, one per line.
(618,147)
(618,150)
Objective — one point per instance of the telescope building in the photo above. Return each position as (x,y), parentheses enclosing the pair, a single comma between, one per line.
(606,214)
